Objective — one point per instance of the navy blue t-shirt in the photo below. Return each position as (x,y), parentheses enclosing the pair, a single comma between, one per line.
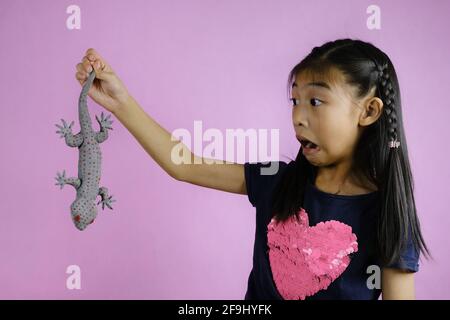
(357,211)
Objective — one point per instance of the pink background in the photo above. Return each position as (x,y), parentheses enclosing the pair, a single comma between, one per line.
(222,62)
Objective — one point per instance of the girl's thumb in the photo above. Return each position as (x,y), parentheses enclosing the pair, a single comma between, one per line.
(100,72)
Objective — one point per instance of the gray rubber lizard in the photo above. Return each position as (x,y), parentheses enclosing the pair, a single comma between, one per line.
(83,209)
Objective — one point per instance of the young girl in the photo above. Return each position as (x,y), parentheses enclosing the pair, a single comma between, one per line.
(339,221)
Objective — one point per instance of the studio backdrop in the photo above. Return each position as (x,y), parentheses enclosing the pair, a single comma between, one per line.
(193,65)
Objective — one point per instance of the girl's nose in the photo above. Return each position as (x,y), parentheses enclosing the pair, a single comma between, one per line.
(299,116)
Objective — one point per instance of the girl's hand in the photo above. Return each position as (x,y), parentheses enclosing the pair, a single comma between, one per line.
(107,89)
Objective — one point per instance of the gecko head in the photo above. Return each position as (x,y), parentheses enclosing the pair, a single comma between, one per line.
(83,213)
(78,224)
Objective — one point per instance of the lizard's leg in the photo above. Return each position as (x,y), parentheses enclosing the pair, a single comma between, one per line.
(74,140)
(106,198)
(105,125)
(62,180)
(101,136)
(66,132)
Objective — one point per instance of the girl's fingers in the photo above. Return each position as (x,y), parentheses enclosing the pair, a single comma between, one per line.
(79,67)
(91,54)
(91,61)
(99,66)
(94,57)
(86,62)
(87,67)
(80,76)
(82,73)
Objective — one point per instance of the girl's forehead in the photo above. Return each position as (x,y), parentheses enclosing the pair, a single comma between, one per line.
(300,86)
(331,82)
(326,80)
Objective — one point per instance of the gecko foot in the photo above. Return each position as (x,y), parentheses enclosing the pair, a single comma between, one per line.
(65,129)
(61,179)
(107,201)
(104,122)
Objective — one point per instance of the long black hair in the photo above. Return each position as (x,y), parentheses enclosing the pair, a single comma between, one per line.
(365,67)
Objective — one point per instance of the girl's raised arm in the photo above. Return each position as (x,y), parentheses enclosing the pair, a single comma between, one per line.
(109,91)
(158,143)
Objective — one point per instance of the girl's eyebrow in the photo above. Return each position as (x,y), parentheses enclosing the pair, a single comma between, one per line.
(318,84)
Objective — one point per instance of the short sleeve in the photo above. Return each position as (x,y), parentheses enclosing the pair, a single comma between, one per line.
(260,177)
(409,258)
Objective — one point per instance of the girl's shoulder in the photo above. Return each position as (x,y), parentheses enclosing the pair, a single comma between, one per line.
(261,177)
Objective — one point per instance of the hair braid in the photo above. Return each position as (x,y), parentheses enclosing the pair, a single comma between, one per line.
(389,94)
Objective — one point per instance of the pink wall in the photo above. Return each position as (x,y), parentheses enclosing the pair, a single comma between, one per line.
(222,62)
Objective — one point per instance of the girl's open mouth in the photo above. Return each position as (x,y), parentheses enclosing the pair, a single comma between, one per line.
(308,146)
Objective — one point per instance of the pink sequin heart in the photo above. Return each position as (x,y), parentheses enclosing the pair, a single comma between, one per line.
(307,259)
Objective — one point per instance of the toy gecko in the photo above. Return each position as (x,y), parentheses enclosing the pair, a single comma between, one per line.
(83,209)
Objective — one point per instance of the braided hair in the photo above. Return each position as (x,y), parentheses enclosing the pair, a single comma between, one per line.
(387,91)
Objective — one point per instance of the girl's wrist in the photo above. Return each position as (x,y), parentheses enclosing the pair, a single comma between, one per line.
(123,104)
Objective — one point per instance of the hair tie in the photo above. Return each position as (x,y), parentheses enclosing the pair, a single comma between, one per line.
(394,144)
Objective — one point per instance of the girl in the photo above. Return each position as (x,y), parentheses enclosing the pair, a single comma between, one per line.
(349,190)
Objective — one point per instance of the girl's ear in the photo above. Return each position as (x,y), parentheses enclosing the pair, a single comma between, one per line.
(372,109)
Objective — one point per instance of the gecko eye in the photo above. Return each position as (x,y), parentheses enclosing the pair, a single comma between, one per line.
(77,218)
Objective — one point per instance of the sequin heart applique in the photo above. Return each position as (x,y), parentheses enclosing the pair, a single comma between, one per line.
(307,259)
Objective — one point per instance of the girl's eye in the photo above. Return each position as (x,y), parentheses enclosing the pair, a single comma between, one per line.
(294,101)
(315,99)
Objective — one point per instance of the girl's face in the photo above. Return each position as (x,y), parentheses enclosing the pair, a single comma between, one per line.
(326,113)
